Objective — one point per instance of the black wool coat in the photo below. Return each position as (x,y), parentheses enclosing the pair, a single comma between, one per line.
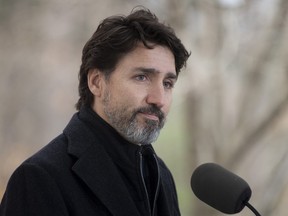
(75,175)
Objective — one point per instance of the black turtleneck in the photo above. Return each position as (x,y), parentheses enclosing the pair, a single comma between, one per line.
(136,164)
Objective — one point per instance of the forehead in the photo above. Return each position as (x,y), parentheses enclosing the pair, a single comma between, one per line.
(159,58)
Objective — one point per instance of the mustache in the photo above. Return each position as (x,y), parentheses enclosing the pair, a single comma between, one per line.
(153,110)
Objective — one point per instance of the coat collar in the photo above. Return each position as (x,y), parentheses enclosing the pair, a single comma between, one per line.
(96,169)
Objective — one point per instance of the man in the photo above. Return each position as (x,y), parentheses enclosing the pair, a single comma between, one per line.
(103,162)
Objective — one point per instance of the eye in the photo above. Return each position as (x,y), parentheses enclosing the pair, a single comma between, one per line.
(168,84)
(141,77)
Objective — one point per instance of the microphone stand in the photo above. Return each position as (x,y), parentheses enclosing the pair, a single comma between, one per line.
(252,209)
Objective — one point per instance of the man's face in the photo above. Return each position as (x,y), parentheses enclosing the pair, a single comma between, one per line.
(136,98)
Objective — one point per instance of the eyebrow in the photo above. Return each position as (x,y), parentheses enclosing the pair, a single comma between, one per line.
(169,75)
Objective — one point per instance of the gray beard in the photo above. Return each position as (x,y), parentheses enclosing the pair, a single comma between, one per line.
(141,135)
(126,124)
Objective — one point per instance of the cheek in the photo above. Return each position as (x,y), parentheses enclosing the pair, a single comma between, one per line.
(134,96)
(126,98)
(166,108)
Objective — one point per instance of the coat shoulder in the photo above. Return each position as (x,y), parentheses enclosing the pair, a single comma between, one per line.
(53,158)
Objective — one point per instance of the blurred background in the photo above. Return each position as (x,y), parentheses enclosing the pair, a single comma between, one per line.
(230,103)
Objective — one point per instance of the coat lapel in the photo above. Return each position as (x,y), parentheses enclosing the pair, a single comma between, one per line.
(97,170)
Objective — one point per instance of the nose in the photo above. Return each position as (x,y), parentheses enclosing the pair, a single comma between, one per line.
(157,96)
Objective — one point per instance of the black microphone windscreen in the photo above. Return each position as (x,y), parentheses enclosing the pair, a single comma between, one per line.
(220,188)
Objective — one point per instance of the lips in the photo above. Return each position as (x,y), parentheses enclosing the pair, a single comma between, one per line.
(152,113)
(151,116)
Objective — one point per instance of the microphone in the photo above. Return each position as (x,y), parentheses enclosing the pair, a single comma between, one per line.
(221,189)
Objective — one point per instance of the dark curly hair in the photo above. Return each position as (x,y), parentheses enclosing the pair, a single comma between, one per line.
(119,35)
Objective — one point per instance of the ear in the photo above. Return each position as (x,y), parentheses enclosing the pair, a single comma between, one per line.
(95,81)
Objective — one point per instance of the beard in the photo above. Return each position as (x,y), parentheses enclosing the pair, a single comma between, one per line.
(125,122)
